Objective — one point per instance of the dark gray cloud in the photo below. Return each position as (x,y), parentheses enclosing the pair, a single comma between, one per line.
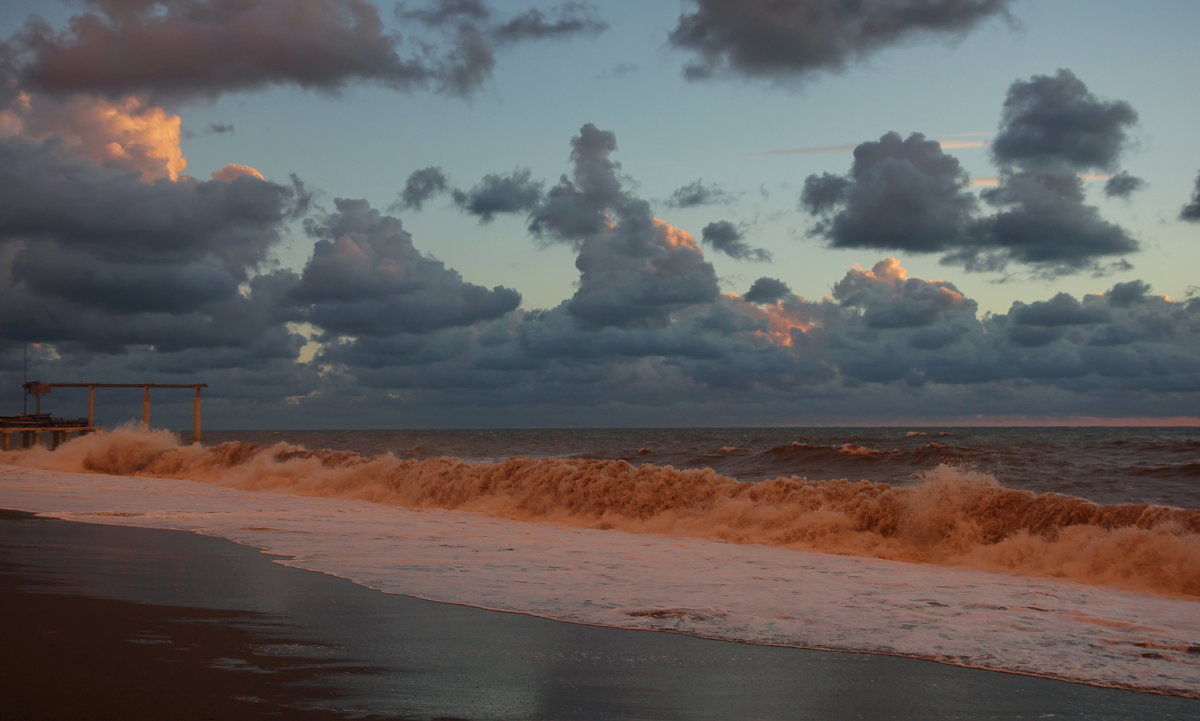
(888,298)
(365,278)
(576,208)
(884,340)
(1043,222)
(698,193)
(792,39)
(1045,321)
(1191,211)
(512,193)
(422,185)
(639,273)
(95,261)
(824,193)
(568,19)
(908,195)
(1052,128)
(635,270)
(108,214)
(573,18)
(901,194)
(219,128)
(475,36)
(766,290)
(725,237)
(1055,121)
(79,241)
(206,48)
(1123,185)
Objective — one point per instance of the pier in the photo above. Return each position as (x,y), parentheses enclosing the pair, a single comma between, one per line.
(32,436)
(31,427)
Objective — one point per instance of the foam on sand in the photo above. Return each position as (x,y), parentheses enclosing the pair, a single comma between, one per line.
(738,591)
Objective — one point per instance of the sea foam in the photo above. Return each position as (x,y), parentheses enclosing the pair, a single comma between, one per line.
(742,592)
(950,517)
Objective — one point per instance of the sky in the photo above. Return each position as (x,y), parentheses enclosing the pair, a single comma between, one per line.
(461,213)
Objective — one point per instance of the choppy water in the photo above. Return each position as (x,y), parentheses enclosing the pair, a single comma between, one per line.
(1067,553)
(1105,465)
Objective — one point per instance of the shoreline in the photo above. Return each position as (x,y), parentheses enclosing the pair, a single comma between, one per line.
(319,647)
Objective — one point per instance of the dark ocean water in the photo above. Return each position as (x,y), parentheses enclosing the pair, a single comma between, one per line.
(1105,465)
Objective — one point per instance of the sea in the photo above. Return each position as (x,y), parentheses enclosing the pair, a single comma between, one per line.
(1064,553)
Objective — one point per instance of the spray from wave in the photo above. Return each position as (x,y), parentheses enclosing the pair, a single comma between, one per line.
(951,517)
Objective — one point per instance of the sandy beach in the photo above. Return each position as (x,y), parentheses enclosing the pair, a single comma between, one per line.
(115,622)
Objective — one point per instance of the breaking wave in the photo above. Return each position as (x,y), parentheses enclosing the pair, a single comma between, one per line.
(951,516)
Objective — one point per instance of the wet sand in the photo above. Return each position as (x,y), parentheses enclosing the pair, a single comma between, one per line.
(109,622)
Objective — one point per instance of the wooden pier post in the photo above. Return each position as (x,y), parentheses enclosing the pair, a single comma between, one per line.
(91,405)
(146,407)
(196,416)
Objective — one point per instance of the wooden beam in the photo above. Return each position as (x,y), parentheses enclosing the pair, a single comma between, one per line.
(196,416)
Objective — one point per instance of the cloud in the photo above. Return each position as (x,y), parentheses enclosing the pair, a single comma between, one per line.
(1043,221)
(908,195)
(698,193)
(127,134)
(573,18)
(724,237)
(791,40)
(1191,211)
(1123,185)
(57,197)
(886,344)
(635,269)
(1052,129)
(639,273)
(889,298)
(577,208)
(365,278)
(900,194)
(421,186)
(766,290)
(232,171)
(207,48)
(475,36)
(619,70)
(512,193)
(92,256)
(1056,122)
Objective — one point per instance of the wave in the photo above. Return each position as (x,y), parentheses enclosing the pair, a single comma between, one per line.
(951,516)
(1185,470)
(828,460)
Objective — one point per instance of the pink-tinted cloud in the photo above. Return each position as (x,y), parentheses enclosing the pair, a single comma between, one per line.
(232,171)
(127,134)
(205,48)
